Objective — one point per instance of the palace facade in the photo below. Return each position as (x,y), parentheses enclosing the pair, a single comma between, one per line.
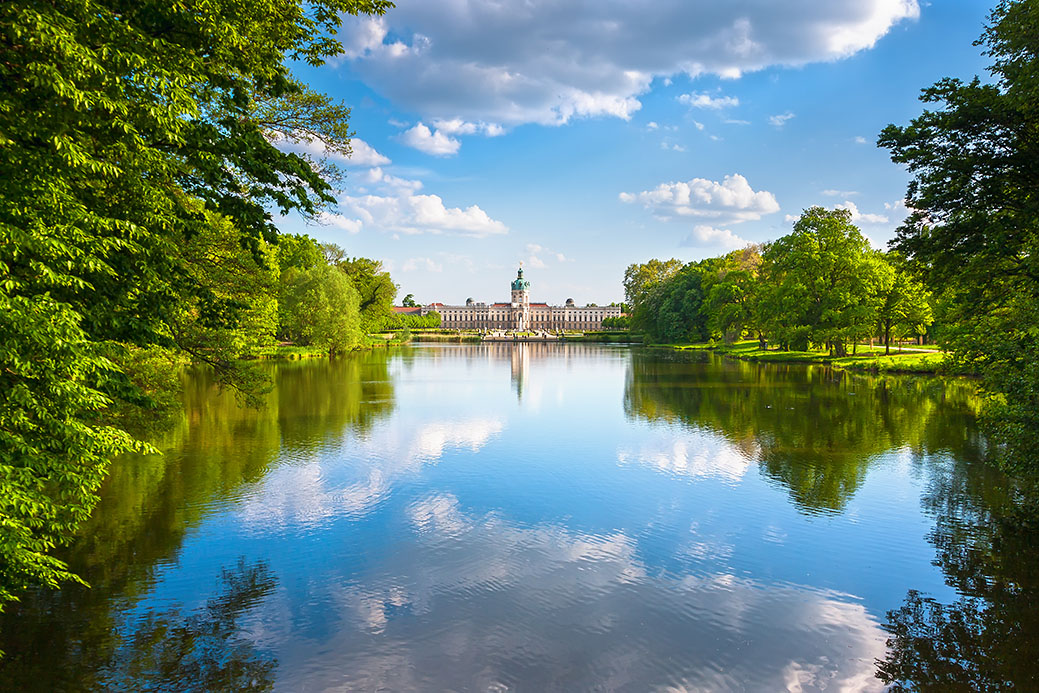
(519,314)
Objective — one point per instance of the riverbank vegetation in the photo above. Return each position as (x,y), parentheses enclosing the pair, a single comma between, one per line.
(864,357)
(140,183)
(963,269)
(821,285)
(973,231)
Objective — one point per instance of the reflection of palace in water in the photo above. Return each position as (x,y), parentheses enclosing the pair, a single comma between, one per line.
(520,313)
(520,355)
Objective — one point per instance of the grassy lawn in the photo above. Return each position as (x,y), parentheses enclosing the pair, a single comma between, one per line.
(288,352)
(865,358)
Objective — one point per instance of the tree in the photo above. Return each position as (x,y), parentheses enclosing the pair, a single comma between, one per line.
(409,301)
(639,281)
(732,294)
(320,308)
(906,305)
(639,277)
(822,283)
(973,230)
(126,131)
(375,288)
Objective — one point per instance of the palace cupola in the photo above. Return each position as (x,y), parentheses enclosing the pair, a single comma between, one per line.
(520,290)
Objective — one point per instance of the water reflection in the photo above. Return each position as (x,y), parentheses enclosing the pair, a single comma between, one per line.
(549,517)
(203,651)
(321,488)
(59,640)
(986,532)
(474,602)
(815,430)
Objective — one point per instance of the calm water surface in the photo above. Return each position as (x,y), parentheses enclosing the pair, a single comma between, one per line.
(549,517)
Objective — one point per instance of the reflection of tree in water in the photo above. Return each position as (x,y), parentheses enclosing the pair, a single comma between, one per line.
(986,531)
(813,429)
(56,640)
(203,651)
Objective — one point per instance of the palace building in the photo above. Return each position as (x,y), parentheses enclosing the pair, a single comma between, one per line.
(520,314)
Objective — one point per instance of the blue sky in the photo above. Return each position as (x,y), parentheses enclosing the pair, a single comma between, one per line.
(579,137)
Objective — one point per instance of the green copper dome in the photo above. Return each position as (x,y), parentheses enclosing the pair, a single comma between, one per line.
(519,283)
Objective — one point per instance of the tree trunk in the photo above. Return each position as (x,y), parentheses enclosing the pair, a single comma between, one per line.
(887,337)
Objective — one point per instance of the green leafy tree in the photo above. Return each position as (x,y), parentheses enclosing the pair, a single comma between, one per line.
(639,277)
(822,283)
(409,301)
(375,288)
(639,280)
(124,128)
(320,308)
(974,226)
(906,307)
(732,294)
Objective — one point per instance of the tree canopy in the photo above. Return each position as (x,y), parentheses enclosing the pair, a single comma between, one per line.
(136,146)
(973,230)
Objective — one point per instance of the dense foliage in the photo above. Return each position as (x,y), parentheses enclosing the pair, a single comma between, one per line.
(974,228)
(820,285)
(139,171)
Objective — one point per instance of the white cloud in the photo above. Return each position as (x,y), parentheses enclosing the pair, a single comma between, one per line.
(736,121)
(534,253)
(651,125)
(730,202)
(898,207)
(546,61)
(780,120)
(432,142)
(457,126)
(840,193)
(339,221)
(860,140)
(791,217)
(408,213)
(704,236)
(859,217)
(365,155)
(705,100)
(362,153)
(421,263)
(698,124)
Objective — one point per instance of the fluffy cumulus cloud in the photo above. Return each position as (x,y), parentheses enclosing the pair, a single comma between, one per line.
(362,153)
(388,203)
(433,142)
(860,217)
(408,213)
(546,61)
(729,202)
(704,236)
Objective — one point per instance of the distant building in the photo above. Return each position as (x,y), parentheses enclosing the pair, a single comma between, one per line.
(521,314)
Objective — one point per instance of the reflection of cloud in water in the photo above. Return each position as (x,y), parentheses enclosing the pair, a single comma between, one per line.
(701,456)
(472,602)
(353,478)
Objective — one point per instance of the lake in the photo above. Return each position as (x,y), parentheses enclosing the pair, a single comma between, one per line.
(556,517)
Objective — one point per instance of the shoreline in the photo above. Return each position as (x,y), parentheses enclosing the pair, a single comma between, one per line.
(871,361)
